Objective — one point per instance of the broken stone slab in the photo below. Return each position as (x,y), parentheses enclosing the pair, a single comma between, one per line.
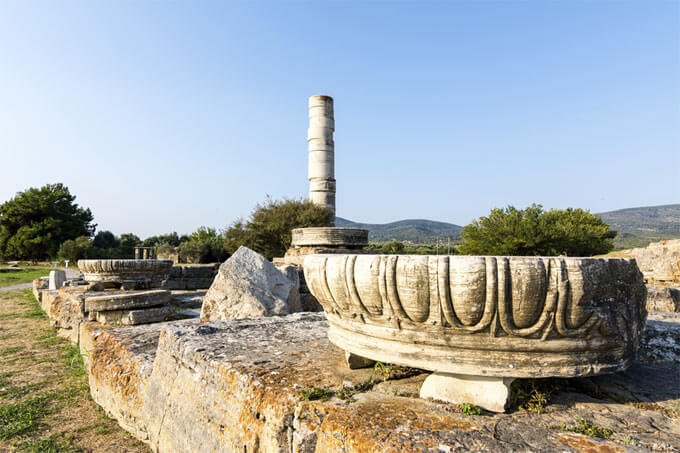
(40,284)
(56,279)
(663,298)
(126,300)
(134,317)
(239,386)
(120,364)
(191,277)
(247,285)
(503,317)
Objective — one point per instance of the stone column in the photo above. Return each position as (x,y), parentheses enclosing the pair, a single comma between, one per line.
(137,253)
(321,152)
(145,253)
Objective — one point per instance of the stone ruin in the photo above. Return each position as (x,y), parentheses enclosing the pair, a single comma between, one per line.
(449,328)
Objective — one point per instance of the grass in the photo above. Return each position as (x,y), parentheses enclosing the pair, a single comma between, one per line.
(470,409)
(26,276)
(533,395)
(347,393)
(45,405)
(589,429)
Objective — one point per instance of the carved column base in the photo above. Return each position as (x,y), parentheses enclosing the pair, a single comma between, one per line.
(490,393)
(354,361)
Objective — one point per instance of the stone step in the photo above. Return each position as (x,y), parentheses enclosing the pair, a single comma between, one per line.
(134,317)
(126,300)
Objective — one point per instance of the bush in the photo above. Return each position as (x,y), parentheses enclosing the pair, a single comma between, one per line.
(268,230)
(510,231)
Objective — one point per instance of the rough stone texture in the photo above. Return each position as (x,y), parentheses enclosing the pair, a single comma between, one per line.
(126,300)
(247,285)
(134,317)
(39,284)
(191,277)
(483,316)
(659,261)
(661,338)
(56,279)
(73,305)
(663,298)
(236,386)
(126,274)
(120,364)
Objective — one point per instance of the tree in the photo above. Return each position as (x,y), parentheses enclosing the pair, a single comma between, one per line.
(36,222)
(74,250)
(268,230)
(128,242)
(511,231)
(105,240)
(205,245)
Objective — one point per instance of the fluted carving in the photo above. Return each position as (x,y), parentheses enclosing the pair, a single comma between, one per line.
(459,305)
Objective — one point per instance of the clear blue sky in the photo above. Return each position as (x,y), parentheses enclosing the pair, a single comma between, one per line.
(166,116)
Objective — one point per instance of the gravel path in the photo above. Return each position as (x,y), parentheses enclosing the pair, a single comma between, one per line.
(70,273)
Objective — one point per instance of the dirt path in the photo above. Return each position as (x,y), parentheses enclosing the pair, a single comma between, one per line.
(45,405)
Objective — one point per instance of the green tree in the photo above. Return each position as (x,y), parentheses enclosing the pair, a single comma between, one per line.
(80,248)
(128,242)
(36,222)
(532,231)
(105,240)
(205,245)
(268,230)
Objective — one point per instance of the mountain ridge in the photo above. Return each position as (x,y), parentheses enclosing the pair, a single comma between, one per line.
(636,226)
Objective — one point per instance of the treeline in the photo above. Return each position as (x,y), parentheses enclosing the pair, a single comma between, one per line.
(46,223)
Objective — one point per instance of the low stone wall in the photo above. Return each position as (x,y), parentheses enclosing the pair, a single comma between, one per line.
(191,277)
(237,386)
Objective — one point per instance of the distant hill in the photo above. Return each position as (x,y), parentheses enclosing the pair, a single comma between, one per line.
(418,231)
(638,227)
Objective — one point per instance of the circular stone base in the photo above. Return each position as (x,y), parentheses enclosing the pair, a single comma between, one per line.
(332,237)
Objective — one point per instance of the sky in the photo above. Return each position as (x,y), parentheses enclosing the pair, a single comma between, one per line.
(168,115)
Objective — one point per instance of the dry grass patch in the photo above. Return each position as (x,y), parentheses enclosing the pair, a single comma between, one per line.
(45,404)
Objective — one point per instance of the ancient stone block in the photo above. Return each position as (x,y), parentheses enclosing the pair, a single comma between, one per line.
(663,298)
(56,279)
(247,285)
(126,300)
(134,317)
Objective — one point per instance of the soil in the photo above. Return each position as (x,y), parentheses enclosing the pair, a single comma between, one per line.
(45,404)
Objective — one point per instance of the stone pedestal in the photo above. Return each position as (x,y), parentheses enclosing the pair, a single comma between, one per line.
(490,393)
(56,279)
(309,241)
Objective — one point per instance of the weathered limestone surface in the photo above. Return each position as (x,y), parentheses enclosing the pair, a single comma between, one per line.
(659,261)
(483,316)
(126,274)
(56,279)
(663,298)
(235,386)
(125,300)
(39,284)
(661,338)
(247,285)
(134,317)
(73,305)
(191,277)
(120,364)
